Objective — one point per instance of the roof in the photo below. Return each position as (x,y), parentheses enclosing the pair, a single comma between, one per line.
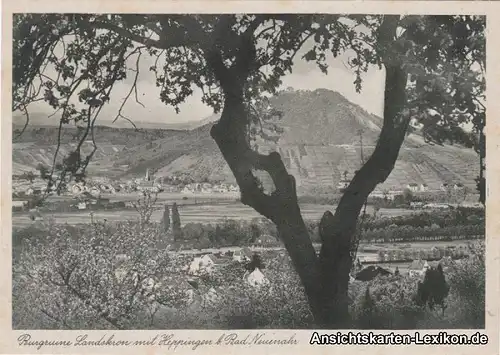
(370,272)
(210,256)
(215,259)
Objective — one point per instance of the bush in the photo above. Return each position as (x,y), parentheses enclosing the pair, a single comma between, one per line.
(393,305)
(467,283)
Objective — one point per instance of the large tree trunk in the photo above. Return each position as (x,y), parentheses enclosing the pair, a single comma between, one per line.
(281,207)
(325,279)
(338,231)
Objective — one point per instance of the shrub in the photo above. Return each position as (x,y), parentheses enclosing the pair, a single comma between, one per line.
(176,223)
(434,289)
(393,303)
(467,284)
(165,221)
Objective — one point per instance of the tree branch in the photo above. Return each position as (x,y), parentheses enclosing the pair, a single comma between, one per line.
(132,36)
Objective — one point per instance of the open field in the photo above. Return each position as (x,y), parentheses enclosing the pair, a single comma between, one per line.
(204,211)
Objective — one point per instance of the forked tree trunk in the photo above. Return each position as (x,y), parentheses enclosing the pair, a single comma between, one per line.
(325,278)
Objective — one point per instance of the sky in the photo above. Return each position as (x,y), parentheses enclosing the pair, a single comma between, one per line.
(304,76)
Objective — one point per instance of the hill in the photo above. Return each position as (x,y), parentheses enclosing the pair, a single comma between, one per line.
(324,136)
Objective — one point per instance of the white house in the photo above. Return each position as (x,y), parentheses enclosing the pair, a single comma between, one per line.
(195,266)
(413,187)
(204,264)
(418,267)
(242,255)
(256,278)
(424,187)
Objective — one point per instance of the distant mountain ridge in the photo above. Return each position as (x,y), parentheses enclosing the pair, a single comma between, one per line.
(324,136)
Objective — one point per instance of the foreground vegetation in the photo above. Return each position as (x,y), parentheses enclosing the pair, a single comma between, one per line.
(102,276)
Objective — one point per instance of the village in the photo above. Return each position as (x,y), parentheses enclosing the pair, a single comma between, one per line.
(98,191)
(251,260)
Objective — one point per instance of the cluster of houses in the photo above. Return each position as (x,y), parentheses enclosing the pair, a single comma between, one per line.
(27,188)
(207,187)
(413,187)
(417,268)
(208,263)
(435,253)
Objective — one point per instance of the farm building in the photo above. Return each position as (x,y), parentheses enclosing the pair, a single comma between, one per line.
(418,267)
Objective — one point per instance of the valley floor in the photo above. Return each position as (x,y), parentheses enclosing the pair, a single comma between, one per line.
(201,211)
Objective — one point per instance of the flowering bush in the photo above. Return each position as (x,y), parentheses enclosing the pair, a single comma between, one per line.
(100,278)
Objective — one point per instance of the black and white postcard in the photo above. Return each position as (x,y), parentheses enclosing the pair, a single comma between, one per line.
(249,177)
